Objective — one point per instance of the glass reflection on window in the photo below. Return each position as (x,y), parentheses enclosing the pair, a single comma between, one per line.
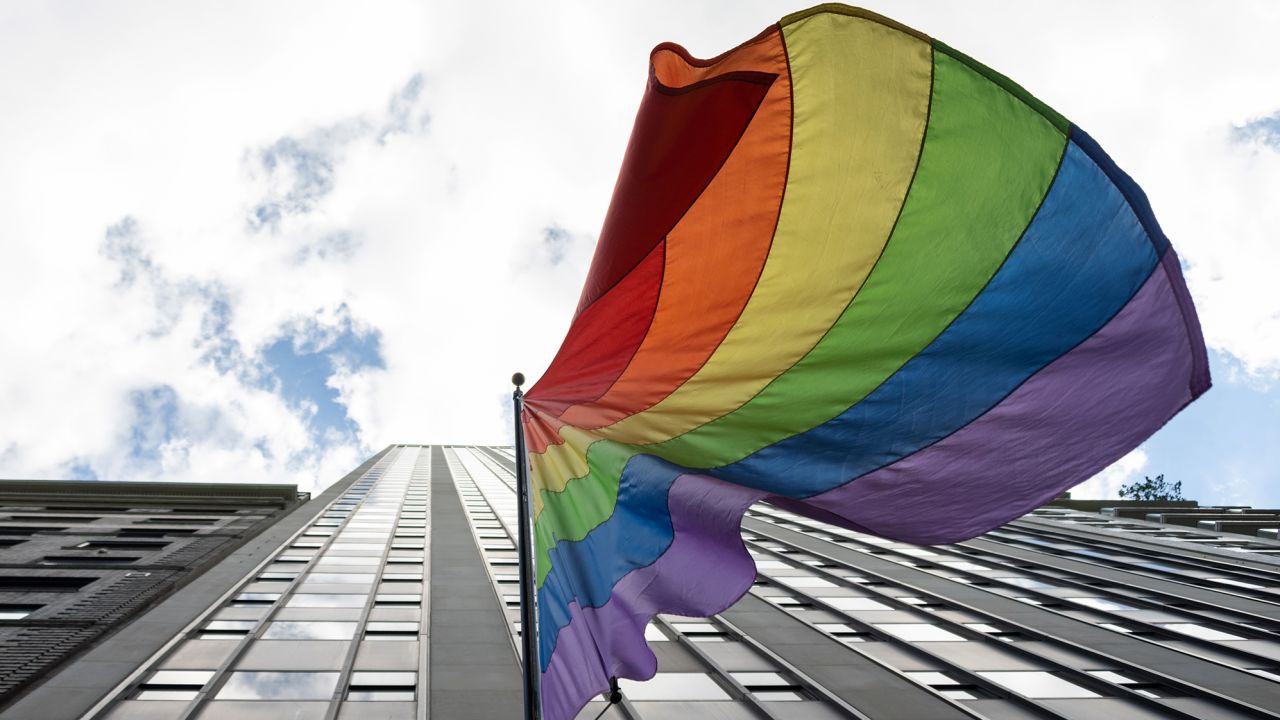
(323,630)
(173,685)
(339,578)
(344,560)
(326,600)
(279,686)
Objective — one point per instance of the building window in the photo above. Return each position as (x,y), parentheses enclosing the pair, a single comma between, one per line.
(279,686)
(382,686)
(173,685)
(38,584)
(674,686)
(771,686)
(314,630)
(1144,688)
(122,544)
(854,603)
(250,599)
(17,612)
(844,632)
(89,559)
(949,687)
(223,628)
(918,632)
(1199,631)
(326,600)
(1037,684)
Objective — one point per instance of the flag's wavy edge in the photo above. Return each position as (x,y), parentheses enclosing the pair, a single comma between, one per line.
(706,548)
(637,478)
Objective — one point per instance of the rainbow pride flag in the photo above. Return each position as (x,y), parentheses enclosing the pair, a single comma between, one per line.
(850,271)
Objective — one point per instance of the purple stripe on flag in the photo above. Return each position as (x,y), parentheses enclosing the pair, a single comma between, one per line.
(704,570)
(1200,380)
(1075,417)
(1046,437)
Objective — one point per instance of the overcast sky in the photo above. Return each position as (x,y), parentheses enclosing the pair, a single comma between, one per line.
(257,241)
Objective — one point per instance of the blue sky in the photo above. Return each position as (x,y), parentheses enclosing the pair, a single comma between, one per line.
(1225,446)
(258,241)
(300,363)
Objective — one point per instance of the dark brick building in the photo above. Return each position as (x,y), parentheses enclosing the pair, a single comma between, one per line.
(78,559)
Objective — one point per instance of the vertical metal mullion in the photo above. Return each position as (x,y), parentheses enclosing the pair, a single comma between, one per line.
(744,695)
(1031,632)
(344,675)
(475,536)
(971,678)
(222,673)
(808,682)
(424,623)
(979,680)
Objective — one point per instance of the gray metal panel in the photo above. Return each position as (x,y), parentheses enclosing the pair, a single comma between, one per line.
(474,672)
(1241,685)
(872,689)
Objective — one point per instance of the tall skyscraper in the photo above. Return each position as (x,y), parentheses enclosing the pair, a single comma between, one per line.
(393,594)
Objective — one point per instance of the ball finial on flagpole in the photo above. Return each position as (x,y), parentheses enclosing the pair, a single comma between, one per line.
(517,379)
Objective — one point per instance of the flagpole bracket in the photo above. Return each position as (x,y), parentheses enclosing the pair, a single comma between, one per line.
(615,693)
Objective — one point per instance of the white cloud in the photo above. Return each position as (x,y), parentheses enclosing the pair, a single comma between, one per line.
(413,158)
(1106,484)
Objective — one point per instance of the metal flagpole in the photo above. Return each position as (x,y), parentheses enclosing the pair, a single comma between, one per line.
(528,618)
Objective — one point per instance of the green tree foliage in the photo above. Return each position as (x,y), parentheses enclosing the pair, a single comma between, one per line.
(1152,489)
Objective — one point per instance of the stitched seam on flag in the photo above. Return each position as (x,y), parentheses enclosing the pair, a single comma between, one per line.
(905,196)
(753,77)
(1031,221)
(750,76)
(1002,81)
(856,12)
(759,272)
(662,274)
(1065,146)
(556,640)
(1200,378)
(1141,207)
(923,134)
(1155,267)
(688,57)
(547,495)
(1125,185)
(791,100)
(1061,157)
(996,404)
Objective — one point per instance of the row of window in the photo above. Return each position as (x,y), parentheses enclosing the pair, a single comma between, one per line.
(311,624)
(879,614)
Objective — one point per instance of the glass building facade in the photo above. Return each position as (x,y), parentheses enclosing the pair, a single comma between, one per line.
(398,598)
